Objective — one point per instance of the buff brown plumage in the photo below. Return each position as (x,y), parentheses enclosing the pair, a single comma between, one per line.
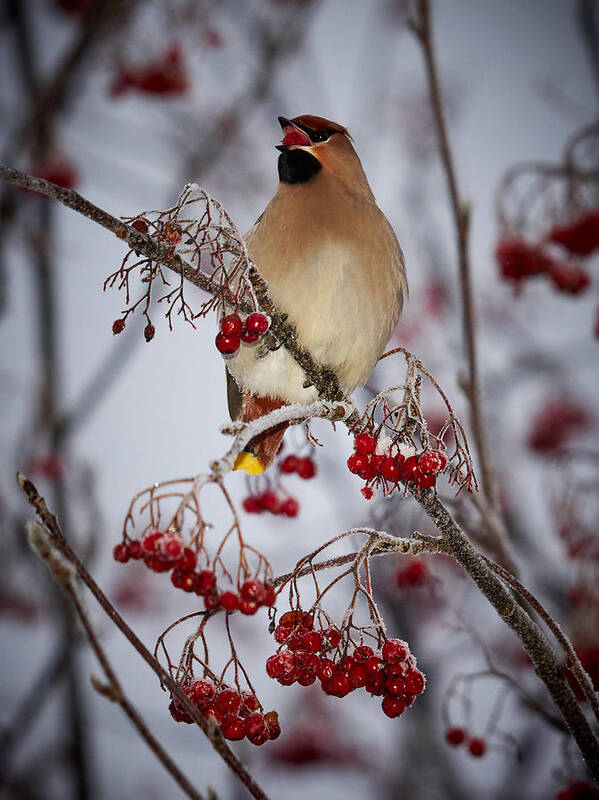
(333,265)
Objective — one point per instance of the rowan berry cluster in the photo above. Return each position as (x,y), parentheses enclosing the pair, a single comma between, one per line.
(304,467)
(234,331)
(165,75)
(166,552)
(420,469)
(519,260)
(269,500)
(307,655)
(239,715)
(477,746)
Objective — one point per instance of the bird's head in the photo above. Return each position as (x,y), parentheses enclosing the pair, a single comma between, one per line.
(314,144)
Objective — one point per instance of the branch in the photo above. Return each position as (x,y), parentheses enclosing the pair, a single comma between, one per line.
(60,543)
(113,691)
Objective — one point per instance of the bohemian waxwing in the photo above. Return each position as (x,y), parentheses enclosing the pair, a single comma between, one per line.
(332,264)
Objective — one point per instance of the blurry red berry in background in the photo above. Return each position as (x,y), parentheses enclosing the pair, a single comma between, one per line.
(580,237)
(414,573)
(165,76)
(57,169)
(212,38)
(75,6)
(578,790)
(306,468)
(517,259)
(569,278)
(554,424)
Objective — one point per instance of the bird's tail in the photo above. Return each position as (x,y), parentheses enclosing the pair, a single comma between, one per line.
(261,451)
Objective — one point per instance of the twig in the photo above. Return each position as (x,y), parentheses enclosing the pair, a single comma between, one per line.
(113,690)
(59,542)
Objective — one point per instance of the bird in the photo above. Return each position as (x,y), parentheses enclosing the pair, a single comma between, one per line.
(333,265)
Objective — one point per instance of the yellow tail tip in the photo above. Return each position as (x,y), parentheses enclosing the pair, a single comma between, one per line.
(249,463)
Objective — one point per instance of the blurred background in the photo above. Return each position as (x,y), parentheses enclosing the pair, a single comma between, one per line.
(127,102)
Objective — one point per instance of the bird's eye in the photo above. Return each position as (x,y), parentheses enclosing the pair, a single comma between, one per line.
(320,136)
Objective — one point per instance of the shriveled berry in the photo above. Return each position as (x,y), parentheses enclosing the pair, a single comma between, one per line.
(455,736)
(140,225)
(289,507)
(257,323)
(227,344)
(118,326)
(211,601)
(395,651)
(273,728)
(306,468)
(289,464)
(364,444)
(477,747)
(232,727)
(120,552)
(392,706)
(229,601)
(414,681)
(231,325)
(149,332)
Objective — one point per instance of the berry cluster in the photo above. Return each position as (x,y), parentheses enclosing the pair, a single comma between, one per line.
(238,714)
(580,237)
(578,790)
(269,500)
(420,469)
(308,655)
(477,746)
(304,467)
(519,260)
(165,75)
(234,331)
(166,552)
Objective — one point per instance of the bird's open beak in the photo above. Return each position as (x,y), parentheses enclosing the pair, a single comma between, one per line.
(293,135)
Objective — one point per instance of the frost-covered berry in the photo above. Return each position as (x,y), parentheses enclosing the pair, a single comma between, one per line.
(364,444)
(121,553)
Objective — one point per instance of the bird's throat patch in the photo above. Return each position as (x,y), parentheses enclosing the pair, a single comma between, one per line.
(297,166)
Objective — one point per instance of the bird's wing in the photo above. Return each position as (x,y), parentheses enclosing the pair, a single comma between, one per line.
(234,396)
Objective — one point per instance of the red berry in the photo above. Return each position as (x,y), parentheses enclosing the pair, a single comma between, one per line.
(364,444)
(136,550)
(367,492)
(202,693)
(274,667)
(374,665)
(339,684)
(211,601)
(357,463)
(289,464)
(426,481)
(433,461)
(214,711)
(248,607)
(414,682)
(477,747)
(270,501)
(247,337)
(252,504)
(455,736)
(254,724)
(178,713)
(395,651)
(231,325)
(205,581)
(357,676)
(569,278)
(392,706)
(306,468)
(118,326)
(173,232)
(177,577)
(325,669)
(395,686)
(363,653)
(157,564)
(232,727)
(120,552)
(346,663)
(252,590)
(171,546)
(188,560)
(227,344)
(290,507)
(375,683)
(331,637)
(249,703)
(229,700)
(257,323)
(282,633)
(390,469)
(410,470)
(228,601)
(150,540)
(312,641)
